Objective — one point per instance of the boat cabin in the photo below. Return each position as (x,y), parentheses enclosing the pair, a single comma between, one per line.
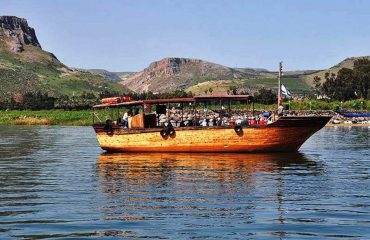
(203,111)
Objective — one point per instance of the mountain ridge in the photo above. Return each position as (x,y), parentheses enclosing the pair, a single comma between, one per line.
(174,73)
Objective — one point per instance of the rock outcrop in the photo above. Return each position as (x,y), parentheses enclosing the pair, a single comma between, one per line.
(179,73)
(26,68)
(16,33)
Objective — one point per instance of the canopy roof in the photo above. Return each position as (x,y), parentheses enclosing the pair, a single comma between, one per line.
(178,100)
(223,97)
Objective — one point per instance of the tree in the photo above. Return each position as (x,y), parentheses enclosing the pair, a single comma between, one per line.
(348,83)
(265,96)
(361,70)
(233,90)
(317,85)
(210,90)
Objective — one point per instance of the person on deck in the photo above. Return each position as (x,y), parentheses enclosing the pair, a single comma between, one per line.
(125,120)
(262,122)
(280,111)
(253,121)
(204,123)
(129,118)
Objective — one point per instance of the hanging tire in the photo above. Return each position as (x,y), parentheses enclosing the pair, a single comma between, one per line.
(108,127)
(238,129)
(171,131)
(163,132)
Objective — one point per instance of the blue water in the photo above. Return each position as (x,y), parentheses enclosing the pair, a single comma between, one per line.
(55,183)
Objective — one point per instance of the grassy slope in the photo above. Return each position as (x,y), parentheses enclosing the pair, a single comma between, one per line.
(36,70)
(347,63)
(293,84)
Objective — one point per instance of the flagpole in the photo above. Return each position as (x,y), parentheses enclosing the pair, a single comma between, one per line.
(279,87)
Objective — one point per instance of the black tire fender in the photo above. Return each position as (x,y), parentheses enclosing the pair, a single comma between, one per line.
(164,132)
(170,131)
(108,126)
(238,129)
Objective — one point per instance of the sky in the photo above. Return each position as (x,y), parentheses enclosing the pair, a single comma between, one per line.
(122,35)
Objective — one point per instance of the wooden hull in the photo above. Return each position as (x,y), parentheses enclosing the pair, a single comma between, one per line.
(285,135)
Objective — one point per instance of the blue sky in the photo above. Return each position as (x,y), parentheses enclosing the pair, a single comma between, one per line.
(128,35)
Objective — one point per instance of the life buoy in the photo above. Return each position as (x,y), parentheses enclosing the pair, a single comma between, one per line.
(238,129)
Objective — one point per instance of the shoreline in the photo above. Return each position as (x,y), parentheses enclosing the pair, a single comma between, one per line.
(347,125)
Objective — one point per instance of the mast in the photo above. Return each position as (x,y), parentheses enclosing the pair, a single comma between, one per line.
(279,87)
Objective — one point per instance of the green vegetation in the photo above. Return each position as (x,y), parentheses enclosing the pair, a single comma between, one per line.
(347,84)
(292,84)
(297,85)
(358,104)
(265,96)
(38,71)
(53,117)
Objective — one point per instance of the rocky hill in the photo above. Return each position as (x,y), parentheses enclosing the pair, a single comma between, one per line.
(346,63)
(26,67)
(180,73)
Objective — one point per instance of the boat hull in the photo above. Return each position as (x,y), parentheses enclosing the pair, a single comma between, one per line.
(285,135)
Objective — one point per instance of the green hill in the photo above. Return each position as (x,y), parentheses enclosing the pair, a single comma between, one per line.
(25,67)
(346,63)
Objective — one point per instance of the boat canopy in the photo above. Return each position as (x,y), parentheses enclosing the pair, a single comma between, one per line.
(200,98)
(223,97)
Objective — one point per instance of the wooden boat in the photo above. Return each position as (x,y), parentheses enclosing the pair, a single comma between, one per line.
(146,134)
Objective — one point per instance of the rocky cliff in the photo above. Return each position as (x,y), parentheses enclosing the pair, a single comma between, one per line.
(25,67)
(16,33)
(179,73)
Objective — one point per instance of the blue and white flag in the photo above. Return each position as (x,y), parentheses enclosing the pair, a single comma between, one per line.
(285,91)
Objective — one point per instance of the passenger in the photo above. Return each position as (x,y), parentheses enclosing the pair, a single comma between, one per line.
(125,120)
(232,122)
(190,122)
(129,118)
(219,121)
(204,123)
(214,122)
(238,121)
(253,121)
(280,111)
(266,114)
(262,122)
(244,122)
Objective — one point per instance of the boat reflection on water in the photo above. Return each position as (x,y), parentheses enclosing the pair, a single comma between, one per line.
(190,187)
(164,167)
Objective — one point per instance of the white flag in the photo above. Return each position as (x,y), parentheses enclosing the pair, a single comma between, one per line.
(285,91)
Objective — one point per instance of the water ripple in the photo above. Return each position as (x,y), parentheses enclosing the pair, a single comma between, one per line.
(56,183)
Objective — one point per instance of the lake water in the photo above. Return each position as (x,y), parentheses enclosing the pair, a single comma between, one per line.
(56,183)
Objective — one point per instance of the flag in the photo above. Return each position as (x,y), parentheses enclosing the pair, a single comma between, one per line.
(285,91)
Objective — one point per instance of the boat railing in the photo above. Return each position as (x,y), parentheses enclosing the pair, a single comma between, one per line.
(96,118)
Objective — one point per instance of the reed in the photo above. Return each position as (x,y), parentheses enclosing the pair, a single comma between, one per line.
(24,120)
(46,117)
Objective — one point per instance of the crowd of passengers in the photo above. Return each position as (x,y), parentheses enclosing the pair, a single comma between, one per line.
(205,118)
